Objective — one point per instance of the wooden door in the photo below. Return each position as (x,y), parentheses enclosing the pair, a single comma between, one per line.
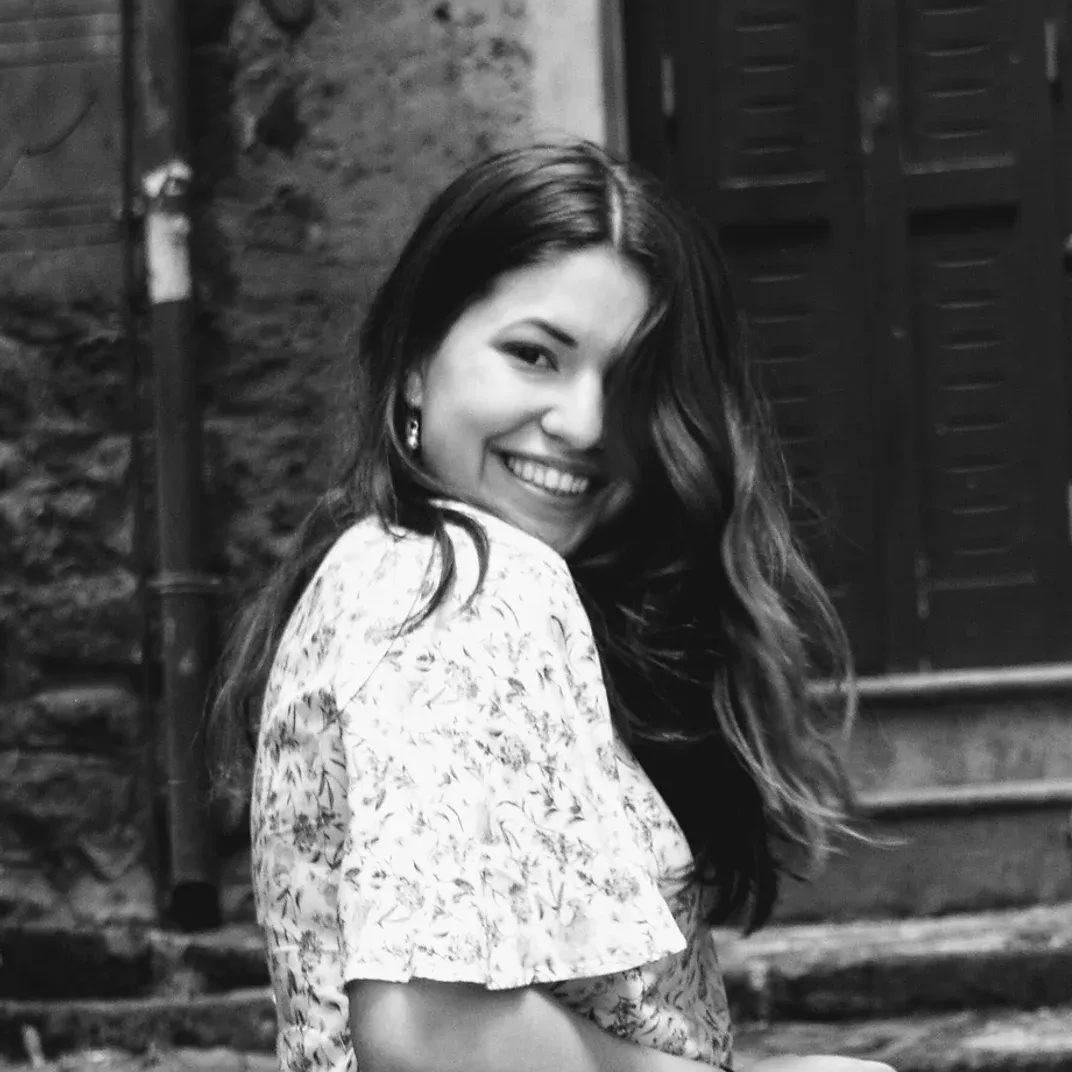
(882,173)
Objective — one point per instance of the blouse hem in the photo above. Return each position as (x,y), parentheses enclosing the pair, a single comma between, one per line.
(445,972)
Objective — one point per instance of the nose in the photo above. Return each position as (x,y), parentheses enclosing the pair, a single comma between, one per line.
(575,414)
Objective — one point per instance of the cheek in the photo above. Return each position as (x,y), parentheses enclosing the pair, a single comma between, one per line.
(472,398)
(465,404)
(453,438)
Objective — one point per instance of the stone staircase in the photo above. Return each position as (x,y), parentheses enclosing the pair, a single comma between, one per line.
(981,992)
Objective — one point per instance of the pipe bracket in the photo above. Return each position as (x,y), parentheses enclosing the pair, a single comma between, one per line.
(185,583)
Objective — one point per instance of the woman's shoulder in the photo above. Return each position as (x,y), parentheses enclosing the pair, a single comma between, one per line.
(367,557)
(374,564)
(518,564)
(379,585)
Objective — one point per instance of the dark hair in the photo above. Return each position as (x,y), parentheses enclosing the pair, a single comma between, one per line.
(708,621)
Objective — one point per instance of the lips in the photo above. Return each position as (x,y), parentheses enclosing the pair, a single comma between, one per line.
(547,478)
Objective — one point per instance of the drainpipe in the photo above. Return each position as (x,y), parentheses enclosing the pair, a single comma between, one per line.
(184,589)
(141,557)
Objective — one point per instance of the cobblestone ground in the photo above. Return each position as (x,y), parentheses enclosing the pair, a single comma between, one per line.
(218,1060)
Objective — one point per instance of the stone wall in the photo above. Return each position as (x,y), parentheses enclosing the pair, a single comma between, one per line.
(340,134)
(319,132)
(339,137)
(73,817)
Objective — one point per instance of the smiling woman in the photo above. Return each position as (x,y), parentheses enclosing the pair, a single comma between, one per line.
(529,691)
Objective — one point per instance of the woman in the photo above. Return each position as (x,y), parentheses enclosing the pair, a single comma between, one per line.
(533,677)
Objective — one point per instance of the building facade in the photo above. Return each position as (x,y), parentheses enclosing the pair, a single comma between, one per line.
(888,178)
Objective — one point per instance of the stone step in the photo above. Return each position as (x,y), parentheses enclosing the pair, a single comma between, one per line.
(1016,959)
(240,1020)
(182,1059)
(234,1034)
(115,962)
(954,855)
(1036,1041)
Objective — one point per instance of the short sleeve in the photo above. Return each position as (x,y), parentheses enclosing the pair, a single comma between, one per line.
(487,839)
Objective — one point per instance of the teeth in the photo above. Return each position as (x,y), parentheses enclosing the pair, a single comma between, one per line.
(544,476)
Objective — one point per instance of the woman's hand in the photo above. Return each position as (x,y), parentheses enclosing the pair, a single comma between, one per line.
(816,1063)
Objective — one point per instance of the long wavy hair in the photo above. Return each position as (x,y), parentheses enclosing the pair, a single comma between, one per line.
(709,622)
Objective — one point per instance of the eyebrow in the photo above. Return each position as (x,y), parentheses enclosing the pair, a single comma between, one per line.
(555,332)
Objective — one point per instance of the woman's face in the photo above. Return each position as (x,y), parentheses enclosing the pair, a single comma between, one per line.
(512,402)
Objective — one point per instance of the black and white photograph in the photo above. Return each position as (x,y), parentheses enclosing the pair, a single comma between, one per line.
(535,535)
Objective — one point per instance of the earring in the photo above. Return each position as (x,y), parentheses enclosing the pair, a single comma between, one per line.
(413,432)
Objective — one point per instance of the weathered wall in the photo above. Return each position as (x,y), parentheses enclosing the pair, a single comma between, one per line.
(315,146)
(338,135)
(73,820)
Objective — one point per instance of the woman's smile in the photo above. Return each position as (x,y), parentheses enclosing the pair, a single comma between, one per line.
(548,477)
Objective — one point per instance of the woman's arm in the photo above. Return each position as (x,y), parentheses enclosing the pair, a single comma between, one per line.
(424,1026)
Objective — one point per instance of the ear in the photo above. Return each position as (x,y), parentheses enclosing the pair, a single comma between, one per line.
(414,388)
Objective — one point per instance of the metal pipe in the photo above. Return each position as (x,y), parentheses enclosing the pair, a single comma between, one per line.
(140,553)
(184,588)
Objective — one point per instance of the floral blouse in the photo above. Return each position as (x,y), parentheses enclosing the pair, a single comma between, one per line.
(452,803)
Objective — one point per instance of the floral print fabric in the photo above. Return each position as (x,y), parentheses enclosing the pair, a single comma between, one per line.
(452,803)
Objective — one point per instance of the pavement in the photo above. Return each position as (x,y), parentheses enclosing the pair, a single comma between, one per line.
(176,1060)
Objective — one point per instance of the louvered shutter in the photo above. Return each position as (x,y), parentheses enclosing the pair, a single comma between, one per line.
(882,173)
(973,149)
(757,142)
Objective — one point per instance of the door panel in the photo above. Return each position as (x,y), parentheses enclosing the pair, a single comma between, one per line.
(788,288)
(956,93)
(986,347)
(982,528)
(766,75)
(762,148)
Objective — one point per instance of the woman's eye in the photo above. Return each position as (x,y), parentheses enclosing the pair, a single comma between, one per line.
(529,353)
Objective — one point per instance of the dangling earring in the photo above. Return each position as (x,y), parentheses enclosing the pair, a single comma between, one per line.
(413,432)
